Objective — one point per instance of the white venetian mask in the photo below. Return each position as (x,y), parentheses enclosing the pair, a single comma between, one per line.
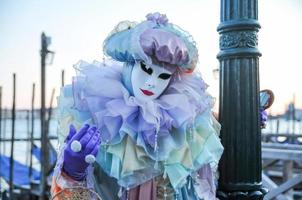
(149,82)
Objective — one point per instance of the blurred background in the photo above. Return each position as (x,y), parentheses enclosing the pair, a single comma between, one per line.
(75,30)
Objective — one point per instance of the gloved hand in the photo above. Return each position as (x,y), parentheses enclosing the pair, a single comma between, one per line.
(263,118)
(81,149)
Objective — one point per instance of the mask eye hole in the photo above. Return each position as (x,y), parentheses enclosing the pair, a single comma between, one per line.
(164,76)
(144,68)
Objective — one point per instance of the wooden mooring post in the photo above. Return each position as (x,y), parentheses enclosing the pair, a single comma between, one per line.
(240,166)
(32,134)
(11,161)
(4,119)
(44,156)
(28,153)
(281,180)
(63,78)
(49,115)
(1,137)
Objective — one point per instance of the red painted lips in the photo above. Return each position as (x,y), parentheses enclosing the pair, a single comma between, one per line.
(147,92)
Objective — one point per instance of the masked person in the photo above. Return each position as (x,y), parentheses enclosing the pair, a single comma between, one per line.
(139,125)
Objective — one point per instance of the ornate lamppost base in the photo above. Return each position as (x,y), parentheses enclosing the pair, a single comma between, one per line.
(242,195)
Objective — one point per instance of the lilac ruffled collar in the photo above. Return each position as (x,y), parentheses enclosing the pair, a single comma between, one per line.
(98,89)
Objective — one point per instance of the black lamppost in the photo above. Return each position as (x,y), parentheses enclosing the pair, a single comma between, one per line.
(240,166)
(45,42)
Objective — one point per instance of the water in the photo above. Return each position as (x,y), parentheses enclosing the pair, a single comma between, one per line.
(285,126)
(22,128)
(22,131)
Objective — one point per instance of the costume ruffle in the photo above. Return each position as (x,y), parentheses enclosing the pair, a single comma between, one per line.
(180,119)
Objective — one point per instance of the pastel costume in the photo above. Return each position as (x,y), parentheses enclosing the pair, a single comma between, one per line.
(167,148)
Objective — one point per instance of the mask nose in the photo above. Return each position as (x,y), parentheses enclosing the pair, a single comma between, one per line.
(150,83)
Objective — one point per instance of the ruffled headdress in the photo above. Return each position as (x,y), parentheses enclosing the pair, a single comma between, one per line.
(154,41)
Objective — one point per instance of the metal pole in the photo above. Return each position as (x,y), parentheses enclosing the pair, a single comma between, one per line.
(44,136)
(11,162)
(240,166)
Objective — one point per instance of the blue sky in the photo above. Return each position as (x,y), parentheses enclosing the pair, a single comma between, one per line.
(79,27)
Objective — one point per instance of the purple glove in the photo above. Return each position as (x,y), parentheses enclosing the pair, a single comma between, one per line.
(80,146)
(263,118)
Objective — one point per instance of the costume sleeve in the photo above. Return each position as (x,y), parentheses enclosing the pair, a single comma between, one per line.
(66,115)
